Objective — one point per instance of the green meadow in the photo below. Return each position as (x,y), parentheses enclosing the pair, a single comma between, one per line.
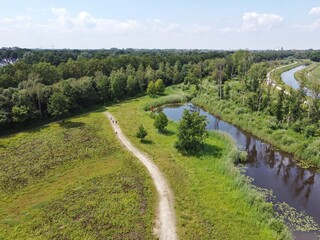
(212,199)
(73,180)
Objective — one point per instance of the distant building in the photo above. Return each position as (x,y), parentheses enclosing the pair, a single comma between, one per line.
(279,49)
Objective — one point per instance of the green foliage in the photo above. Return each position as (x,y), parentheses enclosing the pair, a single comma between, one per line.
(212,199)
(290,138)
(48,74)
(161,121)
(170,99)
(243,156)
(58,104)
(73,180)
(315,56)
(118,84)
(141,133)
(151,90)
(159,86)
(20,113)
(191,132)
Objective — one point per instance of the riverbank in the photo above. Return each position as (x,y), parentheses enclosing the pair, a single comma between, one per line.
(262,126)
(275,74)
(309,76)
(212,199)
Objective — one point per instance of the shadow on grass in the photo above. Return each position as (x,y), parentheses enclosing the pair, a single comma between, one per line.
(145,141)
(167,132)
(209,150)
(68,124)
(205,150)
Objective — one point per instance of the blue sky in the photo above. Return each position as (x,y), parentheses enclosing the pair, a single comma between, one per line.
(187,24)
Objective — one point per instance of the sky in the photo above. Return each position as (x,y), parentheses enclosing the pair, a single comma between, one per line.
(162,24)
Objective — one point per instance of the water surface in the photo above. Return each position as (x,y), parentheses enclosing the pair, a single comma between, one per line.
(289,79)
(270,168)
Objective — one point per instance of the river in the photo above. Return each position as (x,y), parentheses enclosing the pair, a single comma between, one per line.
(276,170)
(289,79)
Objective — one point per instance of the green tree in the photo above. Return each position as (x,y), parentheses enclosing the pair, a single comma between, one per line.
(159,85)
(118,84)
(47,73)
(103,86)
(132,86)
(20,113)
(151,90)
(141,79)
(191,132)
(279,105)
(161,121)
(58,104)
(142,133)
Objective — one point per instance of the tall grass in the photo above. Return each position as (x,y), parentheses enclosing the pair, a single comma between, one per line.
(212,199)
(73,180)
(303,76)
(170,99)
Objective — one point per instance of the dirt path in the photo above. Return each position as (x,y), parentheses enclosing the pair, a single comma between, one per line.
(166,221)
(272,82)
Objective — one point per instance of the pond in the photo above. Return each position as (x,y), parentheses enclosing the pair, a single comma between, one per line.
(296,191)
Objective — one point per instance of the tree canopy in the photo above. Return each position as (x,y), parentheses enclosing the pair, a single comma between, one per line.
(161,121)
(58,104)
(191,132)
(142,133)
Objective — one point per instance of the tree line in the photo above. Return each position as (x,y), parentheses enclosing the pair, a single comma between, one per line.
(33,91)
(241,80)
(28,87)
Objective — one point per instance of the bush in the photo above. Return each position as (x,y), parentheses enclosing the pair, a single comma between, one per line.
(142,133)
(191,132)
(161,121)
(243,155)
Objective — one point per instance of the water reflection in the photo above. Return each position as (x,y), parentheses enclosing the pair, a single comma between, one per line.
(270,168)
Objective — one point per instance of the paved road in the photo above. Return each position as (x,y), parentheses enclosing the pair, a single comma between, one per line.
(166,220)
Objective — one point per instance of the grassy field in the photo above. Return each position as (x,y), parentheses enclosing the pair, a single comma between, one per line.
(212,199)
(316,72)
(304,74)
(73,180)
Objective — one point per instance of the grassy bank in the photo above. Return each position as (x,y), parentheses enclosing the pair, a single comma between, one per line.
(304,75)
(263,126)
(316,72)
(276,75)
(212,199)
(73,180)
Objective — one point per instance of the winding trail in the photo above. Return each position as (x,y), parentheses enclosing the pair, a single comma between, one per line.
(166,220)
(272,82)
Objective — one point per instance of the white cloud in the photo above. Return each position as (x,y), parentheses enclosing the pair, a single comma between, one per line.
(84,22)
(63,28)
(308,28)
(16,19)
(59,11)
(252,21)
(314,11)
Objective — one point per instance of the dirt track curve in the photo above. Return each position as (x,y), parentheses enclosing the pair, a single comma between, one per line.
(166,221)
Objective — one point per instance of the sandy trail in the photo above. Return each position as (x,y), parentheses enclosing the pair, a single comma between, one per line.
(166,220)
